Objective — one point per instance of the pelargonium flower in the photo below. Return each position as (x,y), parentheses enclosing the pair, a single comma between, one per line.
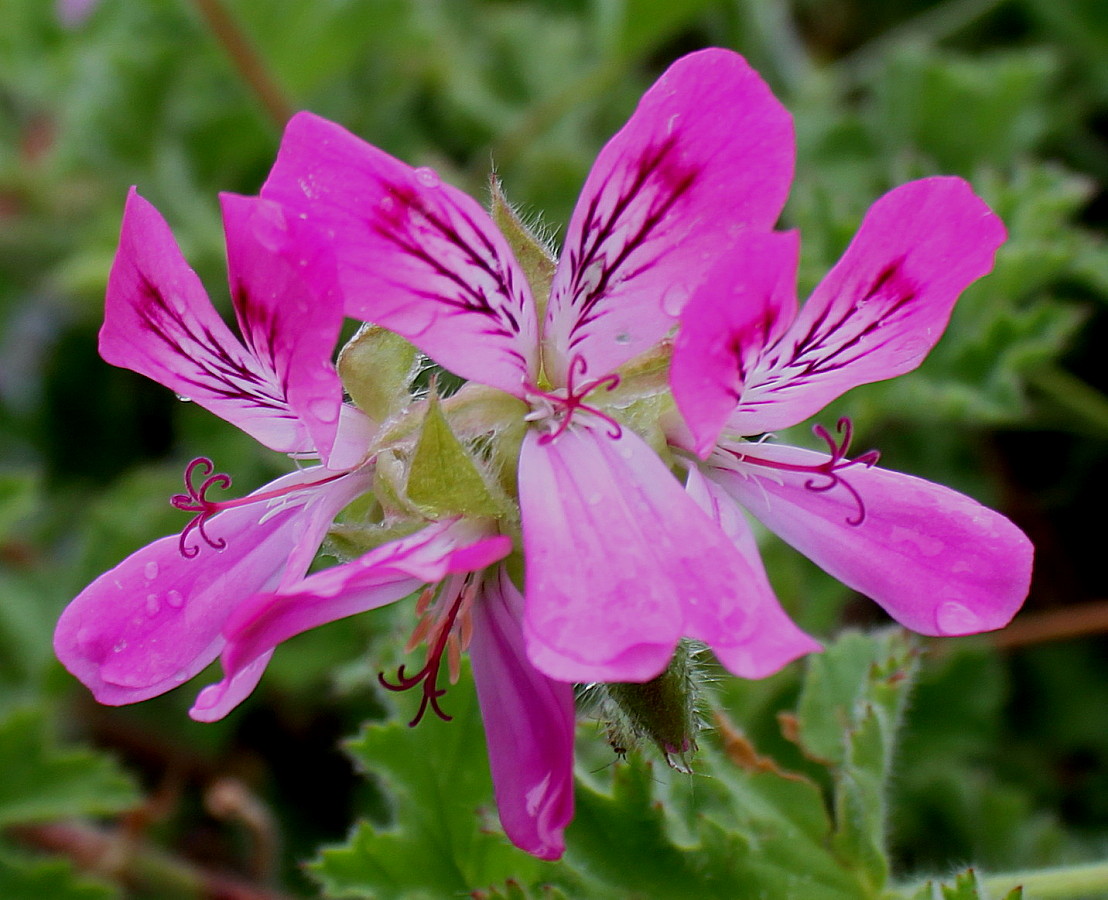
(747,363)
(620,562)
(233,583)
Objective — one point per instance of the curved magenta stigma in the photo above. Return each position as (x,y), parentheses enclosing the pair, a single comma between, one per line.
(574,399)
(196,501)
(829,469)
(429,674)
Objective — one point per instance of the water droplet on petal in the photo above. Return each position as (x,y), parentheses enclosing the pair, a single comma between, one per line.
(954,619)
(150,570)
(428,177)
(673,300)
(387,204)
(623,338)
(153,604)
(181,676)
(183,398)
(323,409)
(175,599)
(120,646)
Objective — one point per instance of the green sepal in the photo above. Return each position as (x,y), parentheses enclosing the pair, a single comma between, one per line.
(531,252)
(444,479)
(377,367)
(662,711)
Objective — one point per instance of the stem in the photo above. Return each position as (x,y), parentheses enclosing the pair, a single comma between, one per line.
(1076,397)
(246,60)
(1052,884)
(1054,625)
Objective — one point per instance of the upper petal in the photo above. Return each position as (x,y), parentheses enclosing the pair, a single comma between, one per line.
(154,621)
(621,563)
(415,255)
(882,307)
(529,722)
(744,303)
(707,153)
(285,292)
(939,562)
(384,575)
(159,322)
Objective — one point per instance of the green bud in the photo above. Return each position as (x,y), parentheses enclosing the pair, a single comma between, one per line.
(444,478)
(377,368)
(662,711)
(531,252)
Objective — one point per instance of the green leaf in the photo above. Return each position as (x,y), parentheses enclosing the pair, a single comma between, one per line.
(47,879)
(443,841)
(42,782)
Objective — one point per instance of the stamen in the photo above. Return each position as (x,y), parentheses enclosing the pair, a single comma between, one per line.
(196,501)
(829,469)
(573,400)
(445,644)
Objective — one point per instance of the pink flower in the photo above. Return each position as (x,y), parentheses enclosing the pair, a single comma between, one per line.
(746,363)
(620,562)
(233,583)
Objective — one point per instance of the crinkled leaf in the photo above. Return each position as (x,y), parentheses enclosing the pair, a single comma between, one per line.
(41,781)
(443,840)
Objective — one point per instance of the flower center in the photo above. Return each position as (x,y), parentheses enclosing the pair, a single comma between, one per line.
(559,405)
(830,469)
(196,501)
(447,626)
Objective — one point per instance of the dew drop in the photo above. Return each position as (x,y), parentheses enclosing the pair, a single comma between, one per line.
(183,398)
(673,300)
(323,409)
(428,177)
(181,676)
(153,604)
(387,204)
(150,570)
(671,122)
(954,619)
(175,599)
(623,338)
(120,646)
(596,499)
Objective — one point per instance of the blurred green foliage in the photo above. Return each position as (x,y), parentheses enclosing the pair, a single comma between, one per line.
(1003,758)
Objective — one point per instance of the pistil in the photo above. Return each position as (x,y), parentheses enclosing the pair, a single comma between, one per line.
(828,469)
(554,404)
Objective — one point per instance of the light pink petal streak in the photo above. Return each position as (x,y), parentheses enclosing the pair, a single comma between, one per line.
(743,305)
(621,563)
(382,576)
(774,639)
(707,153)
(159,322)
(154,621)
(882,307)
(529,723)
(939,562)
(415,255)
(285,292)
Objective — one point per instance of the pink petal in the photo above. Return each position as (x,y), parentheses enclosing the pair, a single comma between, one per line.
(744,304)
(938,562)
(285,292)
(774,641)
(621,563)
(707,153)
(882,308)
(415,255)
(159,322)
(529,721)
(154,621)
(382,576)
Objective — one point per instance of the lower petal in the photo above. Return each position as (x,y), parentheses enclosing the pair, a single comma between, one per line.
(529,721)
(621,563)
(938,562)
(382,576)
(154,621)
(774,641)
